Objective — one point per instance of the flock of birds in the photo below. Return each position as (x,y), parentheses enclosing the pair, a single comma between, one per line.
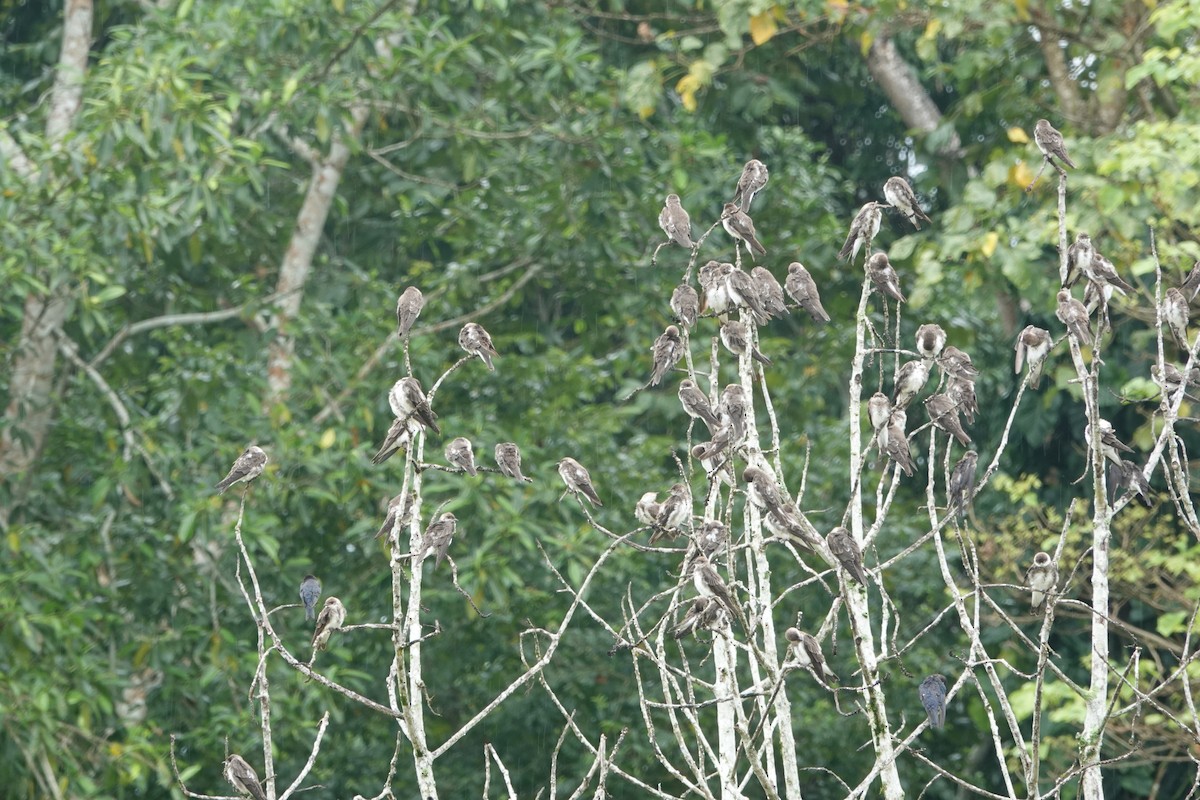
(726,288)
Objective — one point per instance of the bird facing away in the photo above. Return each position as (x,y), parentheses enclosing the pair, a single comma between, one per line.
(894,441)
(883,276)
(460,453)
(668,349)
(1191,282)
(807,651)
(1175,314)
(1128,476)
(735,335)
(331,618)
(901,197)
(407,399)
(399,514)
(438,536)
(704,613)
(735,410)
(1033,345)
(962,483)
(842,545)
(1074,315)
(685,304)
(943,413)
(769,292)
(508,459)
(957,364)
(578,481)
(862,230)
(242,777)
(408,308)
(1041,578)
(737,223)
(399,436)
(310,591)
(802,288)
(1050,142)
(931,339)
(933,697)
(248,466)
(696,405)
(753,178)
(475,341)
(675,222)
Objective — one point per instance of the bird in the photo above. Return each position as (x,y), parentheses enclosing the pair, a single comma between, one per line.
(801,288)
(248,466)
(508,459)
(943,413)
(668,349)
(407,399)
(674,513)
(962,392)
(1191,282)
(1171,378)
(331,618)
(769,292)
(807,651)
(310,590)
(712,536)
(408,308)
(735,335)
(753,178)
(399,514)
(957,364)
(901,197)
(696,405)
(1033,345)
(879,411)
(242,777)
(717,464)
(1079,258)
(737,223)
(894,442)
(1072,313)
(1050,142)
(1110,446)
(962,483)
(933,697)
(862,230)
(685,304)
(438,536)
(647,508)
(1175,314)
(1041,578)
(735,408)
(930,341)
(744,292)
(477,342)
(883,276)
(711,277)
(399,436)
(460,454)
(709,584)
(704,613)
(910,380)
(675,222)
(1101,272)
(841,545)
(577,479)
(1128,475)
(764,492)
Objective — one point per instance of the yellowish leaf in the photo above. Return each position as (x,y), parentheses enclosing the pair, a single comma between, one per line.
(687,87)
(1020,175)
(328,438)
(1022,9)
(339,6)
(865,41)
(645,112)
(1018,135)
(990,241)
(932,28)
(762,27)
(14,541)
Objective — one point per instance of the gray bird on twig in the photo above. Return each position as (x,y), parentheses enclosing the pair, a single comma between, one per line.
(408,308)
(248,466)
(1050,142)
(675,222)
(242,777)
(310,591)
(933,697)
(901,197)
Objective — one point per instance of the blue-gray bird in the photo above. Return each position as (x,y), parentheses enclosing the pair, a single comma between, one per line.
(933,697)
(310,592)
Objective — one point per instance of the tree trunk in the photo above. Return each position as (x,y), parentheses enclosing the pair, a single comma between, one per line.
(906,94)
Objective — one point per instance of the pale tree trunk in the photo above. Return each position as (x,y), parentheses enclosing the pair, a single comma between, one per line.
(906,94)
(297,261)
(29,411)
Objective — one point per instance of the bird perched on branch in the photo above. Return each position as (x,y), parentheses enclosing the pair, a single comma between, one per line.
(736,337)
(704,613)
(242,777)
(437,538)
(737,223)
(943,413)
(399,514)
(1050,142)
(674,514)
(476,341)
(841,545)
(331,618)
(1175,314)
(931,339)
(408,308)
(769,292)
(1074,315)
(1033,344)
(862,230)
(933,697)
(248,466)
(668,349)
(310,590)
(675,222)
(894,441)
(1110,446)
(1041,578)
(577,479)
(910,380)
(962,483)
(399,436)
(807,651)
(407,400)
(901,197)
(752,180)
(883,276)
(460,454)
(647,508)
(802,288)
(696,405)
(508,460)
(685,304)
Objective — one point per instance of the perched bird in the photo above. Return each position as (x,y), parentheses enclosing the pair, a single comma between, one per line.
(1041,578)
(477,342)
(769,292)
(711,277)
(399,436)
(243,778)
(675,222)
(668,349)
(1079,259)
(331,618)
(437,538)
(862,230)
(930,341)
(577,479)
(709,584)
(801,288)
(1171,379)
(790,529)
(460,453)
(1128,476)
(1175,314)
(508,459)
(685,304)
(1110,446)
(736,337)
(1050,142)
(1072,313)
(310,590)
(807,651)
(842,545)
(711,536)
(754,177)
(647,508)
(695,404)
(894,442)
(879,410)
(735,409)
(901,197)
(943,413)
(1191,282)
(249,465)
(704,613)
(883,276)
(717,464)
(957,364)
(399,514)
(1101,272)
(1033,345)
(408,308)
(933,698)
(962,392)
(737,223)
(763,491)
(744,292)
(962,483)
(910,380)
(674,514)
(407,399)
